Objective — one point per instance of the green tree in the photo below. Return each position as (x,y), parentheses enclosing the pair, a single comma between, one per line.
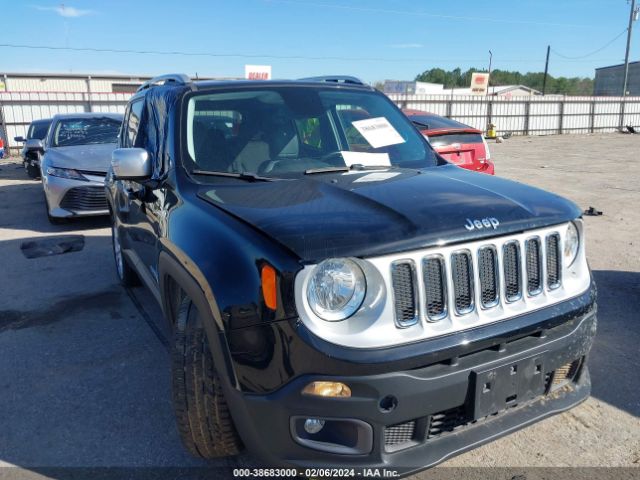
(535,80)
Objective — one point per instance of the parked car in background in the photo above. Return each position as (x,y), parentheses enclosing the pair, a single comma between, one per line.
(456,142)
(338,294)
(77,154)
(32,150)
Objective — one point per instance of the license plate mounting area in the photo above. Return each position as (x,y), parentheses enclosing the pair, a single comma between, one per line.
(499,388)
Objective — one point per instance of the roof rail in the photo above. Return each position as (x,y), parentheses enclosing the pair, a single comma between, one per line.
(176,78)
(335,79)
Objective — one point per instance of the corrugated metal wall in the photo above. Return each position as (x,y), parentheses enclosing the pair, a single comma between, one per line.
(46,84)
(19,109)
(531,115)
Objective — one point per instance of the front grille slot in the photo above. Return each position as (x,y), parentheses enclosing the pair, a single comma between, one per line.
(446,421)
(553,261)
(462,273)
(534,266)
(395,436)
(403,278)
(85,199)
(565,374)
(433,271)
(512,276)
(488,274)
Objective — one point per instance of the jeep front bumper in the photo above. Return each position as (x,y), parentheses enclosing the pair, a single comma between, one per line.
(408,420)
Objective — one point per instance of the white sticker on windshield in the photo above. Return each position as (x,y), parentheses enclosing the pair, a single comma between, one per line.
(378,132)
(366,159)
(377,177)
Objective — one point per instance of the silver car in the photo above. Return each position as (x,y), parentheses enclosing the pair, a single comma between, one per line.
(77,154)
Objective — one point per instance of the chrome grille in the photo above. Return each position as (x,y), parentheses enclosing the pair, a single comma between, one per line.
(435,287)
(488,274)
(85,199)
(534,266)
(462,273)
(553,261)
(403,277)
(505,268)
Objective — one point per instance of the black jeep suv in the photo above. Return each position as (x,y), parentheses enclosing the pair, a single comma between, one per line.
(339,295)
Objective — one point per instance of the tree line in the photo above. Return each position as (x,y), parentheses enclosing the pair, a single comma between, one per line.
(555,85)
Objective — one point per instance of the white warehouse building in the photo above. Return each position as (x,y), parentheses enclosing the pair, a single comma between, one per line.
(25,97)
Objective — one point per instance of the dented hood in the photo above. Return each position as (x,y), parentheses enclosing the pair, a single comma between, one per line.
(93,158)
(366,213)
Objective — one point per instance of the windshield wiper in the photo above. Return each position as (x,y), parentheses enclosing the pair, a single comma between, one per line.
(355,166)
(250,177)
(420,124)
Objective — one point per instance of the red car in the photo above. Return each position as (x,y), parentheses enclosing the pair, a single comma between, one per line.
(458,143)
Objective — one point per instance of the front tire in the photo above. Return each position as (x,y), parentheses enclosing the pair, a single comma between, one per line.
(126,274)
(204,421)
(32,170)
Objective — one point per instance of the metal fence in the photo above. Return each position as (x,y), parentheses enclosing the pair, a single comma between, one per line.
(531,115)
(19,109)
(519,115)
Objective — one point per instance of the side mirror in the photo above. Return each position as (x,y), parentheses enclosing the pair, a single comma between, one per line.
(20,139)
(131,164)
(34,144)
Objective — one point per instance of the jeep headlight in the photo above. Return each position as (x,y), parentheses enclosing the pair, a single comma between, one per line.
(571,244)
(336,289)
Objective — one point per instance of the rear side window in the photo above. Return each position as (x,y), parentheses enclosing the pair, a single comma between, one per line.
(133,124)
(450,138)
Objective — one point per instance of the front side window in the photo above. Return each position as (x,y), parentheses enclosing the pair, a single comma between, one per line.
(285,131)
(85,131)
(133,123)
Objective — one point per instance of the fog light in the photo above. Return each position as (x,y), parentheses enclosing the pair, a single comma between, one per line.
(327,389)
(313,425)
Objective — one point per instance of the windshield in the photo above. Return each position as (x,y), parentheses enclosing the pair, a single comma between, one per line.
(38,130)
(286,131)
(85,131)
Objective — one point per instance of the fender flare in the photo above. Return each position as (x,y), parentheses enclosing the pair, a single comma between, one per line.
(177,267)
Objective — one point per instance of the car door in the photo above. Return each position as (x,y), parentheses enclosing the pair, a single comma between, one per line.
(137,206)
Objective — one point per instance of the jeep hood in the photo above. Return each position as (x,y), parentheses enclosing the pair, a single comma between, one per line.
(367,213)
(93,158)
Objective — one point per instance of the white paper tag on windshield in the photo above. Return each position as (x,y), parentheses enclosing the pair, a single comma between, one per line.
(378,132)
(366,159)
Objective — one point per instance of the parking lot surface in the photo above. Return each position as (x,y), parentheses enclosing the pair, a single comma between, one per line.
(84,367)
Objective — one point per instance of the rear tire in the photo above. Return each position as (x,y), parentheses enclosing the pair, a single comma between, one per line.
(126,274)
(204,421)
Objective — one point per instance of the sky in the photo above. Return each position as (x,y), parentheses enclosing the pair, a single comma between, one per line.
(372,39)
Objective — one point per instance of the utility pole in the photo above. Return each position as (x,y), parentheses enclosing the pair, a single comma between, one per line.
(632,16)
(490,60)
(546,71)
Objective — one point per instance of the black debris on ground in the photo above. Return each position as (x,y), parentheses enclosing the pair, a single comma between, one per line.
(592,212)
(52,246)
